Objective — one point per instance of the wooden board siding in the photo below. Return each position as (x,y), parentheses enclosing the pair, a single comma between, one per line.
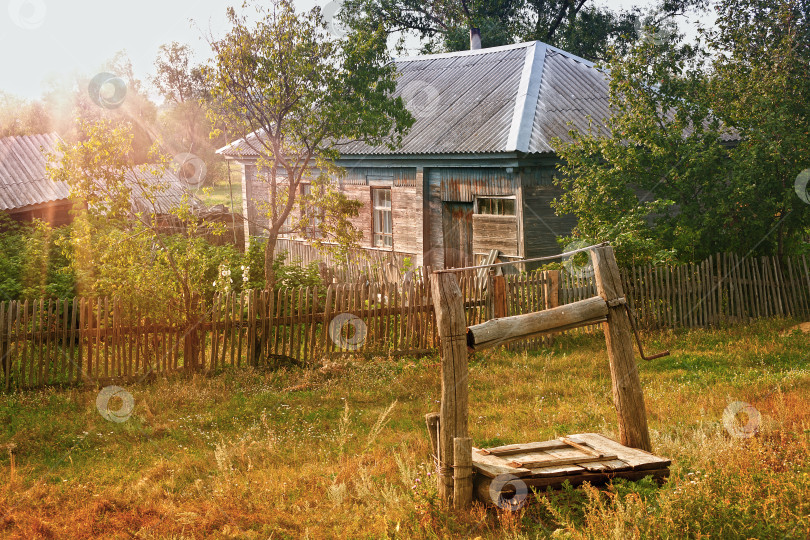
(406,208)
(462,185)
(56,213)
(407,204)
(457,234)
(495,232)
(362,222)
(255,194)
(541,225)
(435,248)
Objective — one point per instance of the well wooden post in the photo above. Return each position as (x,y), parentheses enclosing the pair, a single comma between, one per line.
(462,472)
(452,329)
(627,395)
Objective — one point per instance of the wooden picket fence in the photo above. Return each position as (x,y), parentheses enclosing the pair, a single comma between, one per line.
(725,288)
(46,342)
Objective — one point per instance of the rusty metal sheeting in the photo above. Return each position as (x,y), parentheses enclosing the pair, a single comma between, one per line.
(22,172)
(462,185)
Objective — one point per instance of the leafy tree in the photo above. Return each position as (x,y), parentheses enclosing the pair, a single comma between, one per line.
(666,177)
(184,124)
(570,24)
(22,117)
(293,93)
(576,26)
(116,248)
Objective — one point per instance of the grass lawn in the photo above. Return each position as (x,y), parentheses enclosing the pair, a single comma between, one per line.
(341,450)
(221,194)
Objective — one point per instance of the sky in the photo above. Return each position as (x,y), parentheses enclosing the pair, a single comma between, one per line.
(40,39)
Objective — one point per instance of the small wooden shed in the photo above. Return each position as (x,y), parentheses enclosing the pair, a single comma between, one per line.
(26,193)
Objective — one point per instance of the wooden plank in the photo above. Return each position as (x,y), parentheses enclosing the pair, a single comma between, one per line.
(512,449)
(5,344)
(637,459)
(483,483)
(27,353)
(493,466)
(39,326)
(327,318)
(535,461)
(561,469)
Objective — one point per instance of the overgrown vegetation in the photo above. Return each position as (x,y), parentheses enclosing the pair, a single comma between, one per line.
(340,450)
(707,140)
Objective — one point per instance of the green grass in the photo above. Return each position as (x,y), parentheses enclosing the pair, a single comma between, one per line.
(340,450)
(221,194)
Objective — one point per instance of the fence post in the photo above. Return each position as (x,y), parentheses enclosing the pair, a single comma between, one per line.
(4,347)
(627,394)
(551,289)
(499,292)
(452,329)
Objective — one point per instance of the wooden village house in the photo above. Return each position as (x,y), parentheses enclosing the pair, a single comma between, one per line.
(475,172)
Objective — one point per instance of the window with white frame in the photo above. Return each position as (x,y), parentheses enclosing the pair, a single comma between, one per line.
(382,223)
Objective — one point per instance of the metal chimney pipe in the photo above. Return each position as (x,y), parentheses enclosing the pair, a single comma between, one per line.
(475,39)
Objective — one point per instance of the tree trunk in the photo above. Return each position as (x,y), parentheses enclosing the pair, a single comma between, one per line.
(269,256)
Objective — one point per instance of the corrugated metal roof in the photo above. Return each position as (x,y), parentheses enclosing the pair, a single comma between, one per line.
(515,98)
(483,101)
(151,193)
(23,181)
(570,92)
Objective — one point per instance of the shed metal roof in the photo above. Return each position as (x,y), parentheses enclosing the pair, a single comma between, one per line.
(24,182)
(514,98)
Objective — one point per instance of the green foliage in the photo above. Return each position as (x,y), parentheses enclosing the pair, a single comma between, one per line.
(293,94)
(183,120)
(587,31)
(287,275)
(31,263)
(661,181)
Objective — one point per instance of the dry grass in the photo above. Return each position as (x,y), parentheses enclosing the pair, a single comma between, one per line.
(343,453)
